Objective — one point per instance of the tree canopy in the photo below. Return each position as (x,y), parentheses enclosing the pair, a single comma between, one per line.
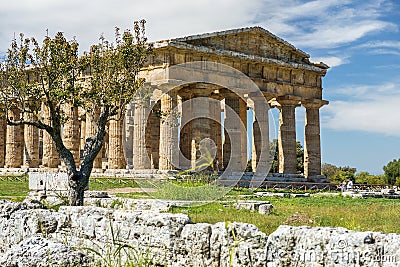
(53,75)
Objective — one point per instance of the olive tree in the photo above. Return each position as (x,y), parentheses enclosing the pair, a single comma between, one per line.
(53,75)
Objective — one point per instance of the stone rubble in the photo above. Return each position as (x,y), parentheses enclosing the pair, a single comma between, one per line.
(33,236)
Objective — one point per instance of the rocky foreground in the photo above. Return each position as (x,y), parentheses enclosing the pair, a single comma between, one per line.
(31,235)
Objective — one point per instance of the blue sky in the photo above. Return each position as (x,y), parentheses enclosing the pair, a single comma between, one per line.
(359,39)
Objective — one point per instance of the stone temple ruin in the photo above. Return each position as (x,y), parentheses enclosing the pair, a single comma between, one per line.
(145,140)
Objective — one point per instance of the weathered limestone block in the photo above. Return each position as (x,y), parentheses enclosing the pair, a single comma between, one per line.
(326,246)
(39,251)
(42,181)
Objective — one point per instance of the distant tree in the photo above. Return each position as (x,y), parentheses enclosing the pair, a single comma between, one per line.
(299,155)
(392,171)
(329,170)
(57,82)
(338,174)
(367,178)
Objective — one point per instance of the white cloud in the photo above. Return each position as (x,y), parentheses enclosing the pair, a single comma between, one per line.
(381,47)
(371,108)
(88,19)
(331,61)
(326,23)
(316,24)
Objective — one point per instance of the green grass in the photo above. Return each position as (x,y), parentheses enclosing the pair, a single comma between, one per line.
(109,183)
(354,214)
(13,188)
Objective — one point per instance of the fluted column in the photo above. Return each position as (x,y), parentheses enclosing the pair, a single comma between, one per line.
(31,138)
(233,134)
(71,133)
(14,141)
(185,143)
(243,132)
(169,132)
(287,135)
(312,141)
(91,128)
(200,127)
(129,130)
(3,127)
(260,136)
(116,158)
(215,131)
(50,157)
(141,159)
(153,134)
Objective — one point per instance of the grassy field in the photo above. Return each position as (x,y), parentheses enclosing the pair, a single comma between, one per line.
(354,214)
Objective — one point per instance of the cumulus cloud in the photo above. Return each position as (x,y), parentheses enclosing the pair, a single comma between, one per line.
(331,61)
(88,19)
(327,23)
(370,108)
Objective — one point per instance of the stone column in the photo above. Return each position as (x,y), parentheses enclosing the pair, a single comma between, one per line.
(14,141)
(312,143)
(50,158)
(31,137)
(169,155)
(185,143)
(287,135)
(200,126)
(243,132)
(116,158)
(260,141)
(141,159)
(82,120)
(71,133)
(153,134)
(129,130)
(91,128)
(233,135)
(3,127)
(216,127)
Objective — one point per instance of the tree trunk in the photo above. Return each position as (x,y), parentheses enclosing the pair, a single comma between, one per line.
(77,183)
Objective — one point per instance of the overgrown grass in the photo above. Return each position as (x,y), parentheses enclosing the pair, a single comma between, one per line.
(110,183)
(354,214)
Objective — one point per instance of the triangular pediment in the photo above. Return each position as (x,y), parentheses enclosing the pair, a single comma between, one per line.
(250,41)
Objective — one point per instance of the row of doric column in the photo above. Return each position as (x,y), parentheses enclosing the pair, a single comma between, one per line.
(201,120)
(158,142)
(21,146)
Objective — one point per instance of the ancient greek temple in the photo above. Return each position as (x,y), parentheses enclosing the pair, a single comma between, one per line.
(195,102)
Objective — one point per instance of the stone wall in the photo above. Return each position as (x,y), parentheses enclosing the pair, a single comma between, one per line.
(172,240)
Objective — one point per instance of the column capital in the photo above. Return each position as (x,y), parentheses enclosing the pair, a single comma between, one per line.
(264,96)
(314,103)
(287,100)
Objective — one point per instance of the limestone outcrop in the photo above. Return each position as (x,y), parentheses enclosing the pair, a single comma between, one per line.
(33,236)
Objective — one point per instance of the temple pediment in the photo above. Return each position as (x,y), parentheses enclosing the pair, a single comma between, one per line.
(250,41)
